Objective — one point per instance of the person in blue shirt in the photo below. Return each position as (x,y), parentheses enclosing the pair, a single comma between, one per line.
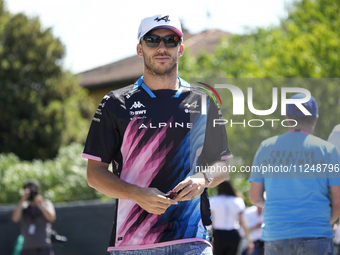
(299,174)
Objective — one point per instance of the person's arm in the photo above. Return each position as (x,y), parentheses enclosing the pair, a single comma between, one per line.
(335,200)
(46,208)
(150,199)
(244,225)
(219,177)
(256,193)
(16,215)
(193,186)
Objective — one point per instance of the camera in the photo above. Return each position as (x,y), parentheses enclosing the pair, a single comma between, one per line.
(33,193)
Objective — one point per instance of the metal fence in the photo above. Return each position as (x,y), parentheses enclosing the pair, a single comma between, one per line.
(86,224)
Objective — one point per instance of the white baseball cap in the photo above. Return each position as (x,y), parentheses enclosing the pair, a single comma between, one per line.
(159,21)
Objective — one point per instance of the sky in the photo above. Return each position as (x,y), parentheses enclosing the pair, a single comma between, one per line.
(99,32)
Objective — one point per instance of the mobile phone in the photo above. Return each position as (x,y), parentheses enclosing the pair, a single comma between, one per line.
(171,195)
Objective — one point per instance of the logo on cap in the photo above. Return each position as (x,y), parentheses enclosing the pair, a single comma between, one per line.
(165,18)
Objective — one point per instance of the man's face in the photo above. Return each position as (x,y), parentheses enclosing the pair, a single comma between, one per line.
(160,60)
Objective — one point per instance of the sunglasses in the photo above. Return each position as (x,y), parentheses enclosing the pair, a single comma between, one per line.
(170,41)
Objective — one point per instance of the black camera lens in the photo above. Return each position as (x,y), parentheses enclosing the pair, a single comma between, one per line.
(33,194)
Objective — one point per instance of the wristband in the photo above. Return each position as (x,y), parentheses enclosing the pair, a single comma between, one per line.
(208,177)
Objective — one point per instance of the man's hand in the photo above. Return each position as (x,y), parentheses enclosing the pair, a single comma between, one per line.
(149,199)
(153,201)
(46,208)
(250,247)
(193,186)
(16,215)
(38,200)
(26,194)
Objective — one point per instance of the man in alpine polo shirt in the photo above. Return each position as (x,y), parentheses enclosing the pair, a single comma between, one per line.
(155,134)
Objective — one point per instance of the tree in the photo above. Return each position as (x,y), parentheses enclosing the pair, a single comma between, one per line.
(42,106)
(305,45)
(62,179)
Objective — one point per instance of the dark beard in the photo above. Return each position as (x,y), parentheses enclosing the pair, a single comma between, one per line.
(158,71)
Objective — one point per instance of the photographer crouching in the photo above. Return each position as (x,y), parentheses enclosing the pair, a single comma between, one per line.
(36,215)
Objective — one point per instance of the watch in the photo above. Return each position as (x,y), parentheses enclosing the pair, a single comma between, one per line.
(208,177)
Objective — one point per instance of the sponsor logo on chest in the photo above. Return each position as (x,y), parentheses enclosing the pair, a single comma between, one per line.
(137,108)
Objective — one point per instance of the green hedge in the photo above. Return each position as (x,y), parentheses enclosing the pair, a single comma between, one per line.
(62,179)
